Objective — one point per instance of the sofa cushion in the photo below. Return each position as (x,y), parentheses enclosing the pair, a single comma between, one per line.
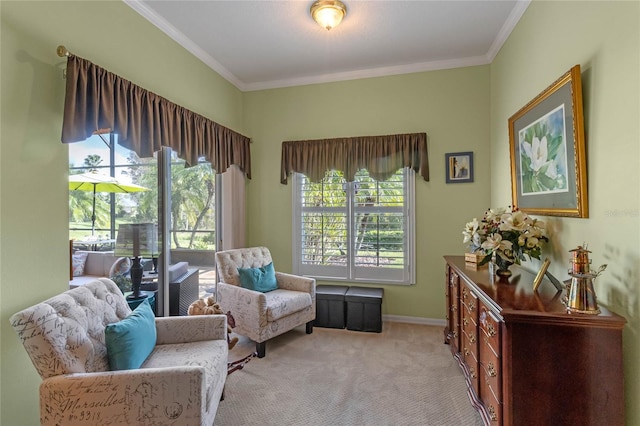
(98,262)
(177,270)
(229,261)
(78,260)
(209,354)
(262,279)
(130,341)
(281,303)
(120,267)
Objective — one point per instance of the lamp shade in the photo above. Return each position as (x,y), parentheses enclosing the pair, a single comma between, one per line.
(137,240)
(328,13)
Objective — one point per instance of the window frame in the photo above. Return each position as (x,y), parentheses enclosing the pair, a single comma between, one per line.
(350,272)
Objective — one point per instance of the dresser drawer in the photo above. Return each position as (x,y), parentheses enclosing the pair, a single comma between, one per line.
(470,344)
(490,378)
(470,358)
(493,410)
(453,283)
(490,328)
(490,356)
(471,335)
(470,302)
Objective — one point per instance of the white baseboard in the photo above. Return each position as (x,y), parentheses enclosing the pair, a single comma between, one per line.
(415,320)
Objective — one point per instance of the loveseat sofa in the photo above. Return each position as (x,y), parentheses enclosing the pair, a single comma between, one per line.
(96,264)
(184,287)
(184,282)
(180,382)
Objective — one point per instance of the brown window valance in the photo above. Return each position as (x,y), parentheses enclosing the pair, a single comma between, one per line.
(382,156)
(98,99)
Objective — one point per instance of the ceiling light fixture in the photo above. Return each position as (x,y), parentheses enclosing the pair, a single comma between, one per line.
(328,13)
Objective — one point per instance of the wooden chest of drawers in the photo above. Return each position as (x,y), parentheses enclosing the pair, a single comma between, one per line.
(526,360)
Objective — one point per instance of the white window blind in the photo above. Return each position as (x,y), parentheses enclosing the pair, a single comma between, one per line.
(355,231)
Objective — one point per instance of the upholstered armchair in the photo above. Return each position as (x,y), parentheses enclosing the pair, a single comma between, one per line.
(179,383)
(263,315)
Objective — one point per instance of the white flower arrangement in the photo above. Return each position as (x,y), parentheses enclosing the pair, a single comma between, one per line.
(509,233)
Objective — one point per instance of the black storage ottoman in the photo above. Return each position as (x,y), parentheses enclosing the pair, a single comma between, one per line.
(364,309)
(330,306)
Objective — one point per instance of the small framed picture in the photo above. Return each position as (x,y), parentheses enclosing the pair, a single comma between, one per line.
(541,273)
(459,167)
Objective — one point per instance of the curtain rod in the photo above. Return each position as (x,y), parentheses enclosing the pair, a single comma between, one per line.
(62,51)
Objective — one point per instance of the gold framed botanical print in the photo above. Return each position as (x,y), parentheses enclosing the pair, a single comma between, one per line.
(547,150)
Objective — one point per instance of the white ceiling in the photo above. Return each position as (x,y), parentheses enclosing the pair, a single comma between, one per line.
(261,44)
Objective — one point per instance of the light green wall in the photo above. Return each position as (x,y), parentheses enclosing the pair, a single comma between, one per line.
(34,163)
(460,110)
(604,38)
(451,106)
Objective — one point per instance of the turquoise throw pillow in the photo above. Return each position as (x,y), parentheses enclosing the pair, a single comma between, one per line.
(130,341)
(258,279)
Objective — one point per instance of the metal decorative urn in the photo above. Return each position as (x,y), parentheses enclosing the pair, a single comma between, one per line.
(581,296)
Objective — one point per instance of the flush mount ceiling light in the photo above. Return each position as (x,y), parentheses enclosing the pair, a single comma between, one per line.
(328,13)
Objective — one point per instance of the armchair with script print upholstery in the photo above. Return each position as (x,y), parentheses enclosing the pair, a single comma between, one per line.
(180,379)
(263,313)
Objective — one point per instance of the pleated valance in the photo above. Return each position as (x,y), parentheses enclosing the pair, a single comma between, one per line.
(98,99)
(382,156)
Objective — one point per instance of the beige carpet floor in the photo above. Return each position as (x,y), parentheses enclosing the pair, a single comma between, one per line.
(402,376)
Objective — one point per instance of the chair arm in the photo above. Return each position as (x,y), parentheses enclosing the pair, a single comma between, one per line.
(190,329)
(296,283)
(248,304)
(151,396)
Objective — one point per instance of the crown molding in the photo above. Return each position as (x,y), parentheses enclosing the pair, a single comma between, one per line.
(511,22)
(368,73)
(194,49)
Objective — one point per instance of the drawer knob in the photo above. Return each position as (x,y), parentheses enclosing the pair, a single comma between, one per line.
(491,330)
(492,414)
(472,338)
(492,369)
(472,373)
(472,306)
(465,321)
(466,352)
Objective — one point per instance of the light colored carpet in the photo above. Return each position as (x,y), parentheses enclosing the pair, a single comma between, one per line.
(405,375)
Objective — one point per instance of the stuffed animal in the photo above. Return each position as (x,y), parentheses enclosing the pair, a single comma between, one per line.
(208,306)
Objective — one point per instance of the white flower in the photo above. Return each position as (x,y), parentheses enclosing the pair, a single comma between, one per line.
(470,230)
(537,152)
(494,215)
(516,221)
(522,240)
(495,242)
(532,242)
(552,170)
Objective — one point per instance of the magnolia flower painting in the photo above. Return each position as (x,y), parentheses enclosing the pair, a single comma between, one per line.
(548,153)
(543,154)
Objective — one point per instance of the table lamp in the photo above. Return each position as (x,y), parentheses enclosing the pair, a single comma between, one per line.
(135,240)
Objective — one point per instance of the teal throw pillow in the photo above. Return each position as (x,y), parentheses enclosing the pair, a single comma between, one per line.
(130,341)
(259,279)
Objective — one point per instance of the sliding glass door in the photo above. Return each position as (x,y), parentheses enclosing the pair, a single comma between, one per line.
(180,200)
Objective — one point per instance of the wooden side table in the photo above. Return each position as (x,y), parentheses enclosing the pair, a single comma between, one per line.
(133,303)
